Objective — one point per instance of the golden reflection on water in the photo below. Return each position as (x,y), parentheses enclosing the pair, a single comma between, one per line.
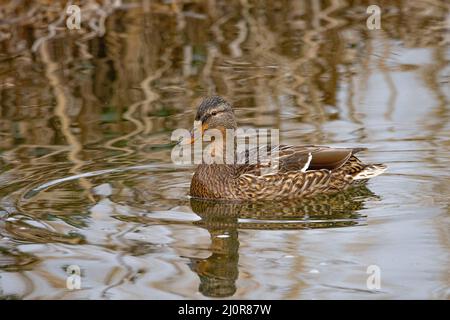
(108,96)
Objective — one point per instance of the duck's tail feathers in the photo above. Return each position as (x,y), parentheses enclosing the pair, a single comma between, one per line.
(370,171)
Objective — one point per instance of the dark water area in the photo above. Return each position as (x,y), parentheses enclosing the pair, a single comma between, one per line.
(86,176)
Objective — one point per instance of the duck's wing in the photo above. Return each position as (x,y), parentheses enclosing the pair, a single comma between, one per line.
(293,158)
(305,158)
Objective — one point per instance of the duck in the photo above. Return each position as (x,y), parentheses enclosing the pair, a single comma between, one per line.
(302,171)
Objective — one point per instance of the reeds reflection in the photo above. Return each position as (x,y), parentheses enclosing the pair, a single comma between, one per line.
(139,70)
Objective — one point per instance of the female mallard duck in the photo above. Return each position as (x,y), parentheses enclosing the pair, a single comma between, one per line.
(303,171)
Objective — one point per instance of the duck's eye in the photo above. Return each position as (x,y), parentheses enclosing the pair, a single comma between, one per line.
(213,113)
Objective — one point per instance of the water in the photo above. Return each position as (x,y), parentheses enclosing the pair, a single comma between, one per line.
(86,177)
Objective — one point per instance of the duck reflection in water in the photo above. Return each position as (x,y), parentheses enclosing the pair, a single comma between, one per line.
(218,273)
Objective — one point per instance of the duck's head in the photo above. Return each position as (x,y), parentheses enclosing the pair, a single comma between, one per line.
(215,113)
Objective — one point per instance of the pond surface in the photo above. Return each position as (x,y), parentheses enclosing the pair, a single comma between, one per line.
(86,177)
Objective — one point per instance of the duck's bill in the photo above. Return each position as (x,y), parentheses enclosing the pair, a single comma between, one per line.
(194,135)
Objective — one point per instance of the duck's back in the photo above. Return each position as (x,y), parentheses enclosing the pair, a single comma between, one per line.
(294,172)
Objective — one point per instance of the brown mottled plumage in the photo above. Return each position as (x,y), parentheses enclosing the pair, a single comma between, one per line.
(303,171)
